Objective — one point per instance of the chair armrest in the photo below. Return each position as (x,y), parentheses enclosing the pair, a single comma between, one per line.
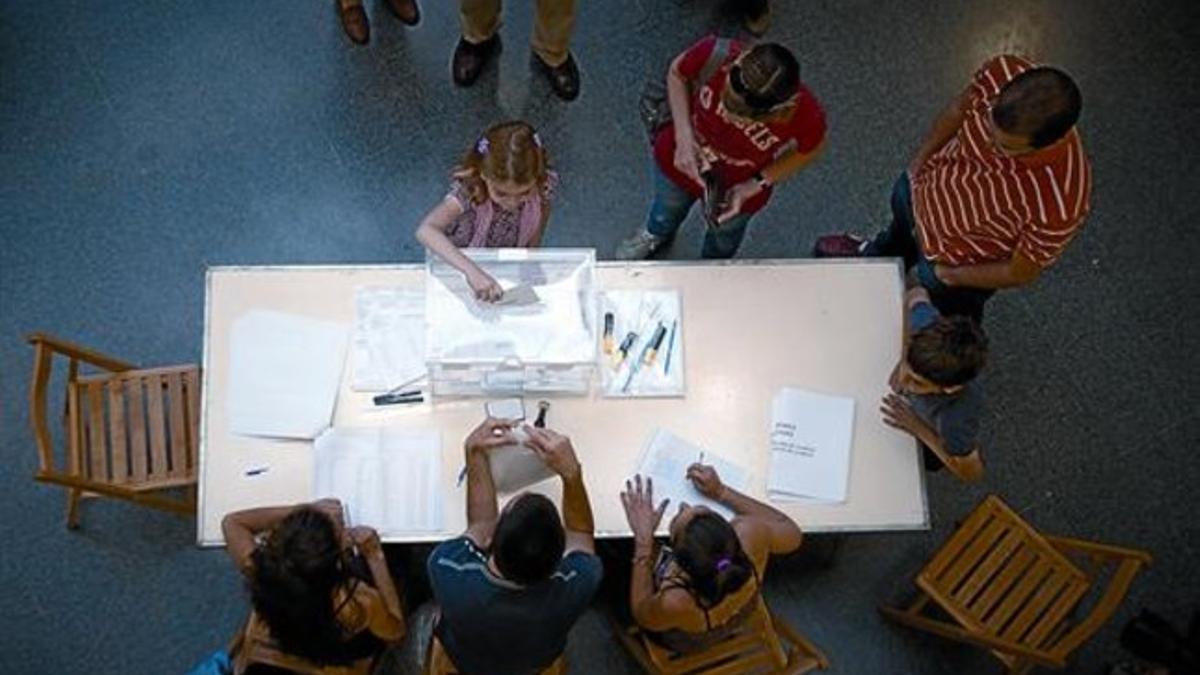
(79,352)
(1104,608)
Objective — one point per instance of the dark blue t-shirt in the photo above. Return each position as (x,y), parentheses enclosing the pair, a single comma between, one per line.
(954,416)
(491,626)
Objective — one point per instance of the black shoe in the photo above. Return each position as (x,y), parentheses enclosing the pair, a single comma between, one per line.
(564,78)
(469,59)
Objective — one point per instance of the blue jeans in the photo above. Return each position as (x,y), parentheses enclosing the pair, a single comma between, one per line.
(671,206)
(899,240)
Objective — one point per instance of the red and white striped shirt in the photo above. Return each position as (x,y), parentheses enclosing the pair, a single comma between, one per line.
(974,204)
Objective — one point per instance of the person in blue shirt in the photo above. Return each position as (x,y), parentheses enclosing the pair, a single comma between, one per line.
(935,395)
(510,588)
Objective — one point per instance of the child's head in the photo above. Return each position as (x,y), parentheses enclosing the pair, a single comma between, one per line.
(944,356)
(506,164)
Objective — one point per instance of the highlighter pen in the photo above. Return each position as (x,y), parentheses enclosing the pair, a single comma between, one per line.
(656,341)
(608,332)
(623,350)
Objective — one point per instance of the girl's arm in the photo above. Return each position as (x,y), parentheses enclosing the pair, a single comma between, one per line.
(240,527)
(386,622)
(432,234)
(783,533)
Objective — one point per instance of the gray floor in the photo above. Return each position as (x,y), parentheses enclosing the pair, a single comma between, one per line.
(141,141)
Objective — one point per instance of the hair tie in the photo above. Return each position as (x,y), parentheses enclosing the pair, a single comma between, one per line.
(482,145)
(724,564)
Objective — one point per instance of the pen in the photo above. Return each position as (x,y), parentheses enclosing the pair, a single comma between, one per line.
(623,350)
(608,332)
(257,471)
(670,348)
(656,340)
(462,475)
(393,397)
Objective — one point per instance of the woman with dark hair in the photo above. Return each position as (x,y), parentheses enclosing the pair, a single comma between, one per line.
(741,122)
(703,583)
(323,592)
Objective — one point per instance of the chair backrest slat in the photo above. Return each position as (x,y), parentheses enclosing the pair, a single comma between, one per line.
(1048,593)
(1033,577)
(118,448)
(988,569)
(136,411)
(191,385)
(158,428)
(1045,625)
(97,450)
(177,421)
(966,562)
(951,550)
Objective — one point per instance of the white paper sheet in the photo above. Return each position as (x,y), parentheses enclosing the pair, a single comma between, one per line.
(666,459)
(642,312)
(810,447)
(284,373)
(389,479)
(389,337)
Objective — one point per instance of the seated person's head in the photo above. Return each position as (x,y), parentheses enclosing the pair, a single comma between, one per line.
(1034,110)
(708,550)
(763,82)
(944,356)
(296,570)
(529,539)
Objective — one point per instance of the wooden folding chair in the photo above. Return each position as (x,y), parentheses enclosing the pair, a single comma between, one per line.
(1014,591)
(254,645)
(764,643)
(437,661)
(129,433)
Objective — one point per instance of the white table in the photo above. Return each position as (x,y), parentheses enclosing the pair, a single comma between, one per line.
(750,328)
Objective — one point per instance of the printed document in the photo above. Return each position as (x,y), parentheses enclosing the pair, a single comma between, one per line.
(810,447)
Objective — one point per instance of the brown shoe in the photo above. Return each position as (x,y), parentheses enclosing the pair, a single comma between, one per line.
(407,11)
(470,58)
(354,21)
(564,78)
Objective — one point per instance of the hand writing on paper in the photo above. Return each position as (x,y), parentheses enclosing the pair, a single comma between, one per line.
(484,286)
(706,481)
(638,500)
(491,433)
(555,450)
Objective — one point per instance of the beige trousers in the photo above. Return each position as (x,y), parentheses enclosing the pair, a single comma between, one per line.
(551,29)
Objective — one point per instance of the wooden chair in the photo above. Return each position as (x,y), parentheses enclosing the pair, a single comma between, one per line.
(763,644)
(129,433)
(255,646)
(1014,591)
(437,661)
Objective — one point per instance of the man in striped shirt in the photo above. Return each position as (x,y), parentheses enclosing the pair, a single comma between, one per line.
(995,193)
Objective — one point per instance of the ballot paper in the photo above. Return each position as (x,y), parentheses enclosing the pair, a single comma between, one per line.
(665,460)
(387,478)
(389,337)
(651,365)
(284,374)
(810,447)
(519,295)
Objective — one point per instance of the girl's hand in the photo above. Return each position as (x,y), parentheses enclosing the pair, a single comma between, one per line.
(484,286)
(689,158)
(737,197)
(638,500)
(706,481)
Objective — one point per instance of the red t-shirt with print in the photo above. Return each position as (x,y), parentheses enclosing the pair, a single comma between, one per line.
(738,148)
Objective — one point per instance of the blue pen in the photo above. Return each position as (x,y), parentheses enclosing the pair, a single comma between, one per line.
(257,471)
(670,348)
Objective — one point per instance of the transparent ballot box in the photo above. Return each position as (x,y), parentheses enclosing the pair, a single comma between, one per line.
(540,337)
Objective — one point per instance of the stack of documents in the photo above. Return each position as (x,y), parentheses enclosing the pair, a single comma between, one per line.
(389,337)
(284,374)
(810,447)
(387,478)
(666,459)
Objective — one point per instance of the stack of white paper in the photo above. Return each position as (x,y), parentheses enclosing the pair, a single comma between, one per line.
(810,446)
(389,337)
(284,374)
(388,479)
(666,459)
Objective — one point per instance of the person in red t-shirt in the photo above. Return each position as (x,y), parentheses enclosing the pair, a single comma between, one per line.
(750,125)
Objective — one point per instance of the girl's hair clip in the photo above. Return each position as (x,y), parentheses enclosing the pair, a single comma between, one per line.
(482,145)
(724,563)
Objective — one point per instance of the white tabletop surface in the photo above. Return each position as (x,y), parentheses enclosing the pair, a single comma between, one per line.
(751,327)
